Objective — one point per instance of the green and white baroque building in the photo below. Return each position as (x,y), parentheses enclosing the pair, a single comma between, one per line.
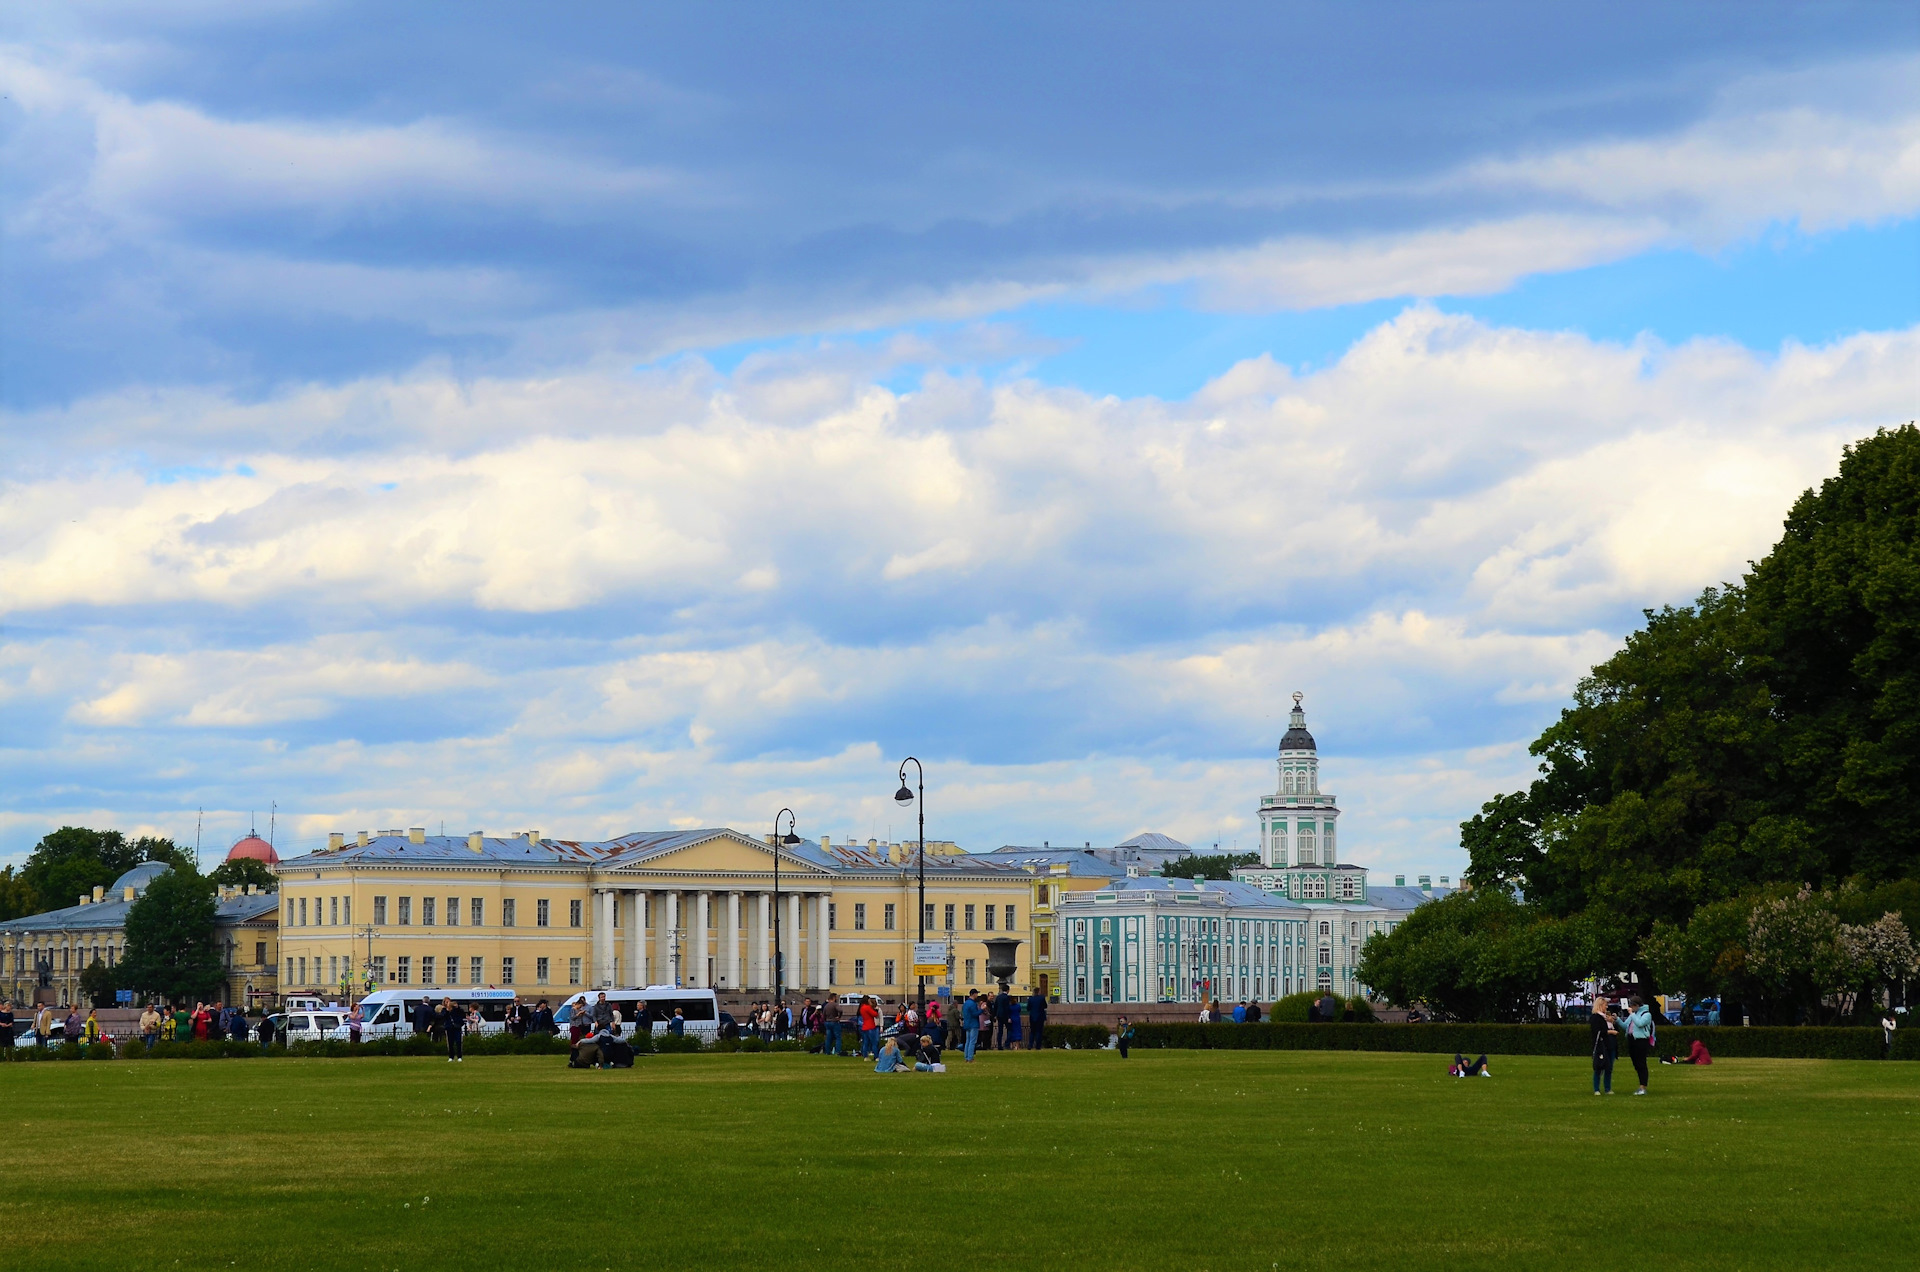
(1293,923)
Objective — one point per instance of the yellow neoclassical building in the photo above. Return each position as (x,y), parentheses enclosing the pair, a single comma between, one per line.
(696,907)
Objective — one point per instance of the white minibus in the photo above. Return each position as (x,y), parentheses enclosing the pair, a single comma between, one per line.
(305,1025)
(654,1006)
(388,1013)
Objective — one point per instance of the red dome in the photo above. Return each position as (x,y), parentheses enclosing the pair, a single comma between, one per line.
(255,847)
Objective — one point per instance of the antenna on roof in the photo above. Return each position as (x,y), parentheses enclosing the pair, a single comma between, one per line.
(198,815)
(273,816)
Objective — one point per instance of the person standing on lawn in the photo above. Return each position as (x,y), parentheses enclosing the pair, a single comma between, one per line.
(74,1024)
(1253,1013)
(6,1028)
(869,1028)
(830,1027)
(970,1021)
(454,1021)
(1123,1036)
(1639,1028)
(1606,1044)
(1036,1020)
(42,1026)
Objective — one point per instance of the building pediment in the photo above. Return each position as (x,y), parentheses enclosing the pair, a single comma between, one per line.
(714,852)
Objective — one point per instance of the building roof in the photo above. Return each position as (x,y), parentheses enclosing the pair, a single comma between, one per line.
(252,846)
(1154,841)
(112,913)
(1404,898)
(636,849)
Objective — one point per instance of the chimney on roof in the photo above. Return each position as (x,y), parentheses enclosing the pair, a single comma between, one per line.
(1443,881)
(83,899)
(363,839)
(416,834)
(249,891)
(873,845)
(826,842)
(1399,881)
(336,840)
(100,892)
(476,842)
(533,838)
(126,894)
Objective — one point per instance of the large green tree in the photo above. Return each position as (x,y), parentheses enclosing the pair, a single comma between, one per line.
(1480,955)
(75,860)
(1768,733)
(170,938)
(243,870)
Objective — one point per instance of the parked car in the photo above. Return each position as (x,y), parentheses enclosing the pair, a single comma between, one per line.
(23,1032)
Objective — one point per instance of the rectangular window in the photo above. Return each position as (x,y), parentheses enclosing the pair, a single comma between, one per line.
(333,969)
(506,968)
(478,908)
(573,971)
(990,911)
(475,973)
(540,911)
(1011,926)
(949,923)
(406,911)
(380,969)
(333,911)
(1326,956)
(969,924)
(453,911)
(426,970)
(1045,942)
(260,953)
(380,910)
(303,971)
(926,915)
(346,911)
(889,971)
(970,978)
(833,917)
(573,914)
(453,969)
(506,913)
(403,969)
(539,971)
(289,968)
(859,971)
(860,917)
(889,918)
(303,912)
(833,971)
(426,911)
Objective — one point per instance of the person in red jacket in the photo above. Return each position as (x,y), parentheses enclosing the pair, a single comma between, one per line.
(869,1028)
(1696,1054)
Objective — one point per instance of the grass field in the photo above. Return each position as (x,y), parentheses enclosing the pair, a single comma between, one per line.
(1168,1160)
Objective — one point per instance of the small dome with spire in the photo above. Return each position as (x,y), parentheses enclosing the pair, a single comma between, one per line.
(1297,737)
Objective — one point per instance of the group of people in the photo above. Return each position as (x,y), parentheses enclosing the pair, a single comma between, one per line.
(73,1026)
(1243,1012)
(1639,1027)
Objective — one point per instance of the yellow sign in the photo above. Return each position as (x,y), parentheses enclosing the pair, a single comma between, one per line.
(929,958)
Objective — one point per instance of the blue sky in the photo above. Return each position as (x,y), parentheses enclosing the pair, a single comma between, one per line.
(655,416)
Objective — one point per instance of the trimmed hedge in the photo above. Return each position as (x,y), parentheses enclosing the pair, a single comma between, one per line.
(1076,1037)
(1515,1040)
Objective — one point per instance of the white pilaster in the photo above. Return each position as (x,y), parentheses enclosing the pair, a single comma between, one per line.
(757,977)
(790,942)
(822,939)
(603,969)
(698,958)
(731,962)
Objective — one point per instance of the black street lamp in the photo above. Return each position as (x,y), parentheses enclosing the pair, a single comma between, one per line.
(905,796)
(778,843)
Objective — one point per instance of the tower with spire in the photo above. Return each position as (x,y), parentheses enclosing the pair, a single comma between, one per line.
(1299,849)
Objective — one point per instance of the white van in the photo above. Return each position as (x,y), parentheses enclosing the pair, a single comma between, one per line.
(388,1013)
(653,1006)
(315,1026)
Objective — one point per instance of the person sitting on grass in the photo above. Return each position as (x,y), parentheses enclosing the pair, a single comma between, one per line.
(890,1060)
(1696,1054)
(1460,1068)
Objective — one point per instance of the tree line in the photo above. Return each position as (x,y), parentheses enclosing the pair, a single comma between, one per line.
(1728,805)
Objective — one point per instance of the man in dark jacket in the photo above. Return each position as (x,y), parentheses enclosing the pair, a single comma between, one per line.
(1002,1014)
(1253,1013)
(422,1017)
(543,1019)
(1329,1007)
(453,1020)
(1036,1020)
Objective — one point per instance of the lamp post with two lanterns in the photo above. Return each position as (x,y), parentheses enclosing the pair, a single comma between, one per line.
(778,843)
(905,795)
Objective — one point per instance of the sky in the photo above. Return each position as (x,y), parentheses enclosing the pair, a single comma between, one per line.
(634,417)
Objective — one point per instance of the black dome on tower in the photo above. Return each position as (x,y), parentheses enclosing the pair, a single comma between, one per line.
(1297,738)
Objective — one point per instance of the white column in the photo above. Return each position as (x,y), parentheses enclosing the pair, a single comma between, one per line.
(662,938)
(757,941)
(790,940)
(699,953)
(822,939)
(732,961)
(603,969)
(633,926)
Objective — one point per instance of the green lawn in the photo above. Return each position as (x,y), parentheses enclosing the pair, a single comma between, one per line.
(1182,1160)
